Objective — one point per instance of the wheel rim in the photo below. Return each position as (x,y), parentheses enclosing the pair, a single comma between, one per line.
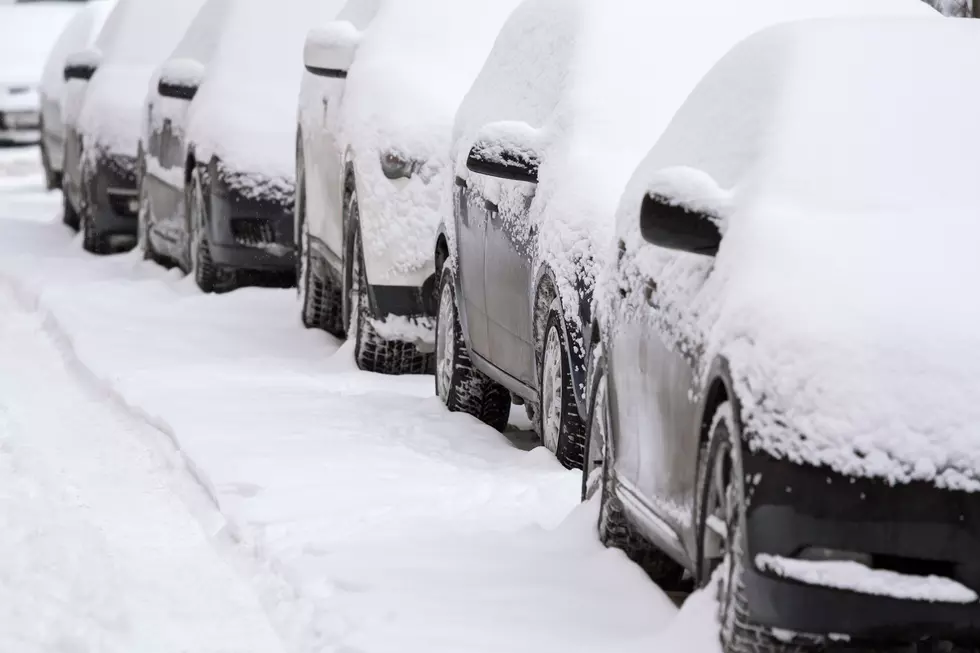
(445,342)
(598,436)
(551,392)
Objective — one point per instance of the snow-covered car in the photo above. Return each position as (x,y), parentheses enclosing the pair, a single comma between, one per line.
(77,35)
(375,122)
(788,386)
(218,184)
(569,101)
(27,33)
(106,85)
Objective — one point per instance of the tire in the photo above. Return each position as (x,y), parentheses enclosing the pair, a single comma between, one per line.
(321,300)
(52,179)
(93,241)
(722,459)
(615,528)
(372,353)
(559,423)
(461,386)
(210,277)
(69,216)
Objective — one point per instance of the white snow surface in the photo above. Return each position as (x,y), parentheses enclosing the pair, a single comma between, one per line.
(365,516)
(245,109)
(78,34)
(414,63)
(836,295)
(137,36)
(599,82)
(853,576)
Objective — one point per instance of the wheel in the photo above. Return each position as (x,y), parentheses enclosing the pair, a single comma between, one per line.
(372,353)
(93,241)
(461,386)
(143,226)
(559,422)
(69,216)
(52,179)
(615,528)
(210,277)
(721,528)
(321,300)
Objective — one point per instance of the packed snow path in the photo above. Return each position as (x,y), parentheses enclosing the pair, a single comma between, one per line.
(364,517)
(98,551)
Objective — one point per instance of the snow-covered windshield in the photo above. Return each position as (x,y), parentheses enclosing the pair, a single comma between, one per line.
(143,32)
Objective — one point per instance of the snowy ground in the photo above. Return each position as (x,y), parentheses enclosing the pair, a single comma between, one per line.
(181,472)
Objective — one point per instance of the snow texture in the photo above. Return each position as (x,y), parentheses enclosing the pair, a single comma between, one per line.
(401,94)
(849,339)
(137,36)
(366,516)
(22,59)
(855,577)
(599,82)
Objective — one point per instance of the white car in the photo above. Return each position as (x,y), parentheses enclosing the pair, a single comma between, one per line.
(102,119)
(217,156)
(27,33)
(569,101)
(77,35)
(375,121)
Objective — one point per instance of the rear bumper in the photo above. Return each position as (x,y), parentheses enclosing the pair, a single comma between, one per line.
(251,234)
(916,530)
(22,126)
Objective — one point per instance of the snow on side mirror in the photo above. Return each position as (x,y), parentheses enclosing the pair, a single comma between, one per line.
(329,51)
(507,150)
(180,79)
(684,210)
(82,65)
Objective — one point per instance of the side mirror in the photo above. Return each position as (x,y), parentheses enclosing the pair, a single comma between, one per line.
(82,65)
(684,210)
(507,150)
(180,79)
(329,51)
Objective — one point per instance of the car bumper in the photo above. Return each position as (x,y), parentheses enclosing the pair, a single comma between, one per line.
(915,530)
(113,196)
(251,234)
(20,126)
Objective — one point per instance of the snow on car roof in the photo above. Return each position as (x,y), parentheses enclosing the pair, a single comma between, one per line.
(143,32)
(840,293)
(27,33)
(245,110)
(600,82)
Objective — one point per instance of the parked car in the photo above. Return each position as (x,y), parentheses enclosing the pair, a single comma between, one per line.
(218,182)
(786,395)
(27,33)
(77,35)
(102,119)
(375,123)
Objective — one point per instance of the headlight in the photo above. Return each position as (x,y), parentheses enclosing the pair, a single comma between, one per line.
(396,166)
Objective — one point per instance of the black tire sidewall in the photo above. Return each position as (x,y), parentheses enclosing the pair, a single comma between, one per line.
(598,377)
(447,281)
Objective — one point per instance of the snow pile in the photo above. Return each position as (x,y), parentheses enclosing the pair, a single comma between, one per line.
(855,577)
(599,82)
(838,294)
(414,63)
(78,34)
(245,109)
(137,36)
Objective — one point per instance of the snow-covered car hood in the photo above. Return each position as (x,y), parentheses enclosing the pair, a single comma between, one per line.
(414,64)
(598,82)
(842,294)
(111,113)
(245,109)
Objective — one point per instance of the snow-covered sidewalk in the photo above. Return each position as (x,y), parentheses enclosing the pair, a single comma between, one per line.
(367,517)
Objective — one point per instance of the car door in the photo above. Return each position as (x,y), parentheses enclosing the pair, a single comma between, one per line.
(652,361)
(472,214)
(165,162)
(510,241)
